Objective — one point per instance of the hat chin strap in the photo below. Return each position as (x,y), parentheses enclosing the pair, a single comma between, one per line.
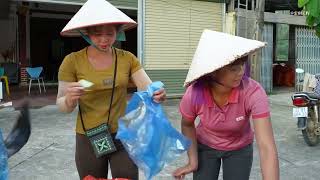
(85,37)
(218,82)
(120,37)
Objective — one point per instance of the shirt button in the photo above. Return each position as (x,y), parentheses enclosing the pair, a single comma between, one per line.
(222,117)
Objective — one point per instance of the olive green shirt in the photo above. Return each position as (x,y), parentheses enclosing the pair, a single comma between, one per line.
(96,100)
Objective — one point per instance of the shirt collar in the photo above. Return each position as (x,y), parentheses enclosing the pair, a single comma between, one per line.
(208,96)
(233,98)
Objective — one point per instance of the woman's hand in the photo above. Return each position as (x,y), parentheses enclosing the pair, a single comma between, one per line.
(73,93)
(180,173)
(159,96)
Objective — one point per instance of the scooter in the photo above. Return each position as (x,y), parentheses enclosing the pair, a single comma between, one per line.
(306,110)
(307,113)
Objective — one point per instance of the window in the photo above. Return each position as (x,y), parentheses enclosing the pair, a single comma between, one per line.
(282,42)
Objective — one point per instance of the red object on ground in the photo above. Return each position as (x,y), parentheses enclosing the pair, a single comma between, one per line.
(89,177)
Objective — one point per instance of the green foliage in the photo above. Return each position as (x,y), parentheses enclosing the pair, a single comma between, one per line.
(312,7)
(302,3)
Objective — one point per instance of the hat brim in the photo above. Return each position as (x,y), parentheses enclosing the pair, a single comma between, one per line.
(188,83)
(75,31)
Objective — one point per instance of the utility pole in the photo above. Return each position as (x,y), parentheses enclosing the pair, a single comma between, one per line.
(256,59)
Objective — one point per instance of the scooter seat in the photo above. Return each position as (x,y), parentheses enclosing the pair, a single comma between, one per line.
(311,95)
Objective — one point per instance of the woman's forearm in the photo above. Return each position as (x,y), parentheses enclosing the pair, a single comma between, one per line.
(62,103)
(64,106)
(190,132)
(269,163)
(267,148)
(141,80)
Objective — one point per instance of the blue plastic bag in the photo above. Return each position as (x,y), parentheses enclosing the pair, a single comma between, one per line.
(147,134)
(3,159)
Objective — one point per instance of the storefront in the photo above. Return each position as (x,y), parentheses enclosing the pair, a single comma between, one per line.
(165,39)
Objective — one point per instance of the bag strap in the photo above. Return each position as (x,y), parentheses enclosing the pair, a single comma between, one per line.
(113,83)
(112,92)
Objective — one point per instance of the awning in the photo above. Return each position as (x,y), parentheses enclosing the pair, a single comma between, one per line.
(120,4)
(70,2)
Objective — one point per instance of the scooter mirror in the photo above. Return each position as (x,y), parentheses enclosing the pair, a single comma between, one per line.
(299,70)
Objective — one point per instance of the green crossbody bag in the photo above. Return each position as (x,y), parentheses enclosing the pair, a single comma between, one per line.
(100,137)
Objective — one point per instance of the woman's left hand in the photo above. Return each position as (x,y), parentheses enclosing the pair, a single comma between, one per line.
(159,96)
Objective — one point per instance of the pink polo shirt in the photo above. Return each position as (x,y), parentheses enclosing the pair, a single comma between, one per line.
(226,128)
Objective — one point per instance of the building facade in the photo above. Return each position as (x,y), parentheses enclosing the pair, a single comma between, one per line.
(164,41)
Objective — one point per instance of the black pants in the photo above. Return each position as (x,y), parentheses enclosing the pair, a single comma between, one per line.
(87,164)
(236,164)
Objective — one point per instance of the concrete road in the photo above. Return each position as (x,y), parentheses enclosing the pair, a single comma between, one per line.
(49,154)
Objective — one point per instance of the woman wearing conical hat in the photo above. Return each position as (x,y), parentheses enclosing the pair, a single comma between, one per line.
(225,100)
(96,79)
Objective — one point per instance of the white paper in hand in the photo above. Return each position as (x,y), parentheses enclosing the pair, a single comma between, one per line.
(85,83)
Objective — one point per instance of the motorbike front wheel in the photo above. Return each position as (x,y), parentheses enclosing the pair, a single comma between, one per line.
(309,133)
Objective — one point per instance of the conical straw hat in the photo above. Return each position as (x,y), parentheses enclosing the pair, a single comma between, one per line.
(217,49)
(96,12)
